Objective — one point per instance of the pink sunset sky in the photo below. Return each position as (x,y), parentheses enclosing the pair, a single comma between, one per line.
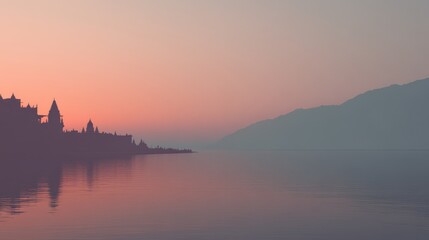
(189,72)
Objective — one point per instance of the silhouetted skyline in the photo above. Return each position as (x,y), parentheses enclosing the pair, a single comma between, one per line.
(24,131)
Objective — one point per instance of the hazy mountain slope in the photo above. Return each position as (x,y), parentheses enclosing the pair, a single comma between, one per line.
(395,117)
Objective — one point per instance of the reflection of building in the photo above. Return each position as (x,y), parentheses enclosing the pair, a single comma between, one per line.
(54,185)
(21,184)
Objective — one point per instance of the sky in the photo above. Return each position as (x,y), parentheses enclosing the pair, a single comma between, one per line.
(190,72)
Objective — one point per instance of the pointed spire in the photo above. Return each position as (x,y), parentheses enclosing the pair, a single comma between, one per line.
(54,117)
(54,106)
(13,97)
(96,130)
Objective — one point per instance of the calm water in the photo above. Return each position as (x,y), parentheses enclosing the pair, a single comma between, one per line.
(220,195)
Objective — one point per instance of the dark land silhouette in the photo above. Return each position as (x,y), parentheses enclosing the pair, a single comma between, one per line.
(394,117)
(24,132)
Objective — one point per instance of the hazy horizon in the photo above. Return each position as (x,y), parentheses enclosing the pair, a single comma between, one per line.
(191,72)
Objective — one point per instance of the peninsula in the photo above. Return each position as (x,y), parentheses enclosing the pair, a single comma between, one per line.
(24,131)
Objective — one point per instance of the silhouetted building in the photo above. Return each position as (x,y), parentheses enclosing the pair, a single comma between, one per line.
(55,121)
(90,127)
(23,131)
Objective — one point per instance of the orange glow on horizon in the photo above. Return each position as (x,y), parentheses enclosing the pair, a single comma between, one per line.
(191,72)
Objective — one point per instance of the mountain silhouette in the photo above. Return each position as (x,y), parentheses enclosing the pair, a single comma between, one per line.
(394,117)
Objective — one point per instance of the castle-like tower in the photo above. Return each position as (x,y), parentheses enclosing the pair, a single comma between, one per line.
(22,129)
(55,121)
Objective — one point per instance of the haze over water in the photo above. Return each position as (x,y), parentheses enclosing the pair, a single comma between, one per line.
(188,73)
(221,195)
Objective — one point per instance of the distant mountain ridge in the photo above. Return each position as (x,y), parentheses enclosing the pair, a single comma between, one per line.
(394,117)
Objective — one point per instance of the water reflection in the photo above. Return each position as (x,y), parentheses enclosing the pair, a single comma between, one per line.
(219,195)
(376,177)
(24,180)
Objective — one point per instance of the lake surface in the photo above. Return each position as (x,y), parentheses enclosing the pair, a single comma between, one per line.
(220,195)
